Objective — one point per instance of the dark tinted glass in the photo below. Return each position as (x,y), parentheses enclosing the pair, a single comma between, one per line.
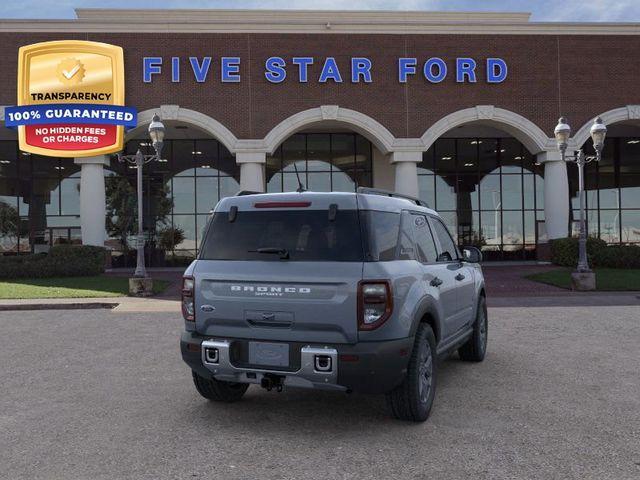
(424,240)
(449,251)
(382,232)
(307,235)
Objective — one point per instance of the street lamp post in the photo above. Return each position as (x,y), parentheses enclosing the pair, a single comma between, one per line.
(562,133)
(156,133)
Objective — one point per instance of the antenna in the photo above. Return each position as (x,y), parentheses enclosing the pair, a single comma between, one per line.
(300,188)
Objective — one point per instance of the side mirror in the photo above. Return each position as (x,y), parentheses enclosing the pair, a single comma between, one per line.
(471,254)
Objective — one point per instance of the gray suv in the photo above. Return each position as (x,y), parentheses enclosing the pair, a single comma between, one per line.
(341,291)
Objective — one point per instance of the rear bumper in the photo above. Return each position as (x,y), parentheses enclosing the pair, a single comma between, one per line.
(366,367)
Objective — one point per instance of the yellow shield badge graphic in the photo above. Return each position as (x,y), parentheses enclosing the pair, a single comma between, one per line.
(71,99)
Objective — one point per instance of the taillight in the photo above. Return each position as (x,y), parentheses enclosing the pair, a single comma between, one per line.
(188,306)
(375,303)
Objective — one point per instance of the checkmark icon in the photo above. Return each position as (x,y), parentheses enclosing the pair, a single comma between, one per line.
(71,73)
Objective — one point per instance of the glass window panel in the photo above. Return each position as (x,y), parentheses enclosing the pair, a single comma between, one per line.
(467,154)
(70,196)
(512,229)
(183,195)
(606,183)
(630,190)
(318,148)
(426,187)
(487,156)
(445,156)
(629,155)
(68,221)
(275,183)
(8,158)
(468,227)
(188,225)
(45,196)
(228,187)
(44,166)
(450,220)
(445,194)
(610,226)
(206,153)
(206,194)
(343,150)
(342,182)
(631,226)
(512,192)
(448,250)
(426,166)
(202,221)
(290,182)
(363,153)
(511,155)
(363,178)
(68,167)
(294,150)
(530,227)
(182,163)
(528,191)
(490,198)
(491,225)
(539,192)
(467,192)
(273,163)
(227,164)
(319,182)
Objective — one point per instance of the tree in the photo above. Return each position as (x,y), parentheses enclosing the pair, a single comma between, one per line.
(122,208)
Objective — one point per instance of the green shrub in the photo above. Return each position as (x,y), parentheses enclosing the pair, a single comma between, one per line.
(564,252)
(61,261)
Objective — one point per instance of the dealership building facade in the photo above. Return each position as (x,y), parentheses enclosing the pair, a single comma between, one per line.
(455,108)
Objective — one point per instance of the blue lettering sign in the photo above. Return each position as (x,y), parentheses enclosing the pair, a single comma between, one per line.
(360,67)
(465,67)
(200,71)
(428,70)
(230,70)
(406,66)
(330,71)
(496,70)
(275,69)
(175,69)
(303,64)
(151,66)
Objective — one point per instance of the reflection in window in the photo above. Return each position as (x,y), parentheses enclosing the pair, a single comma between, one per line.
(488,190)
(325,162)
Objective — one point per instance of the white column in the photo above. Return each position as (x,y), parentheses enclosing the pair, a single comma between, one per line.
(556,194)
(406,167)
(251,170)
(93,209)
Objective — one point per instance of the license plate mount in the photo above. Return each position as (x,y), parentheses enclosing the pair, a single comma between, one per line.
(269,354)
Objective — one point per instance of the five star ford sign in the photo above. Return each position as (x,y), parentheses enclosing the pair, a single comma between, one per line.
(71,99)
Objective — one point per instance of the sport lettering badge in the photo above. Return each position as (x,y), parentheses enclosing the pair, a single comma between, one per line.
(70,99)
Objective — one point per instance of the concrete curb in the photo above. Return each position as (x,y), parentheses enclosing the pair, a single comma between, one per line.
(57,306)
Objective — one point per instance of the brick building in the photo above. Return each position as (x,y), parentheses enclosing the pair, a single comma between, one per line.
(456,108)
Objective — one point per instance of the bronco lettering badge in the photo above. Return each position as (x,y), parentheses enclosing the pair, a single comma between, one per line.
(70,99)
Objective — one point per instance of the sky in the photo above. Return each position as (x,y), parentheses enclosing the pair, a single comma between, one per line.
(542,10)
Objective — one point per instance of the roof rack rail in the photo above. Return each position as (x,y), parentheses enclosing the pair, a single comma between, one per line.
(388,193)
(242,193)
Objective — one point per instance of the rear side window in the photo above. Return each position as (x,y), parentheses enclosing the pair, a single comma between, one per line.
(449,251)
(307,235)
(382,230)
(424,240)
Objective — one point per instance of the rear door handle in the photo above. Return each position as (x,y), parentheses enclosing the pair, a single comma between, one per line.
(460,277)
(436,282)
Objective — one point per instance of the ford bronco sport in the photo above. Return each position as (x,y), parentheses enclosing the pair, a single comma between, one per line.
(343,291)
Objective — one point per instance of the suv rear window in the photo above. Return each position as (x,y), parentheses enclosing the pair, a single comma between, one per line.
(307,235)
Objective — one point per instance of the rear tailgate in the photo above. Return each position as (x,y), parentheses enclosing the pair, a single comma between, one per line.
(295,301)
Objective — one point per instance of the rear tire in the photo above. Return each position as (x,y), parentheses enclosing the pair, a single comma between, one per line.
(476,347)
(412,400)
(218,391)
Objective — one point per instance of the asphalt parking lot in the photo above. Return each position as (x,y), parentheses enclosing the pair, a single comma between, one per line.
(98,394)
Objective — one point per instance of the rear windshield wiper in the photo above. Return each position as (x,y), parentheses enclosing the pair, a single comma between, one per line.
(283,252)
